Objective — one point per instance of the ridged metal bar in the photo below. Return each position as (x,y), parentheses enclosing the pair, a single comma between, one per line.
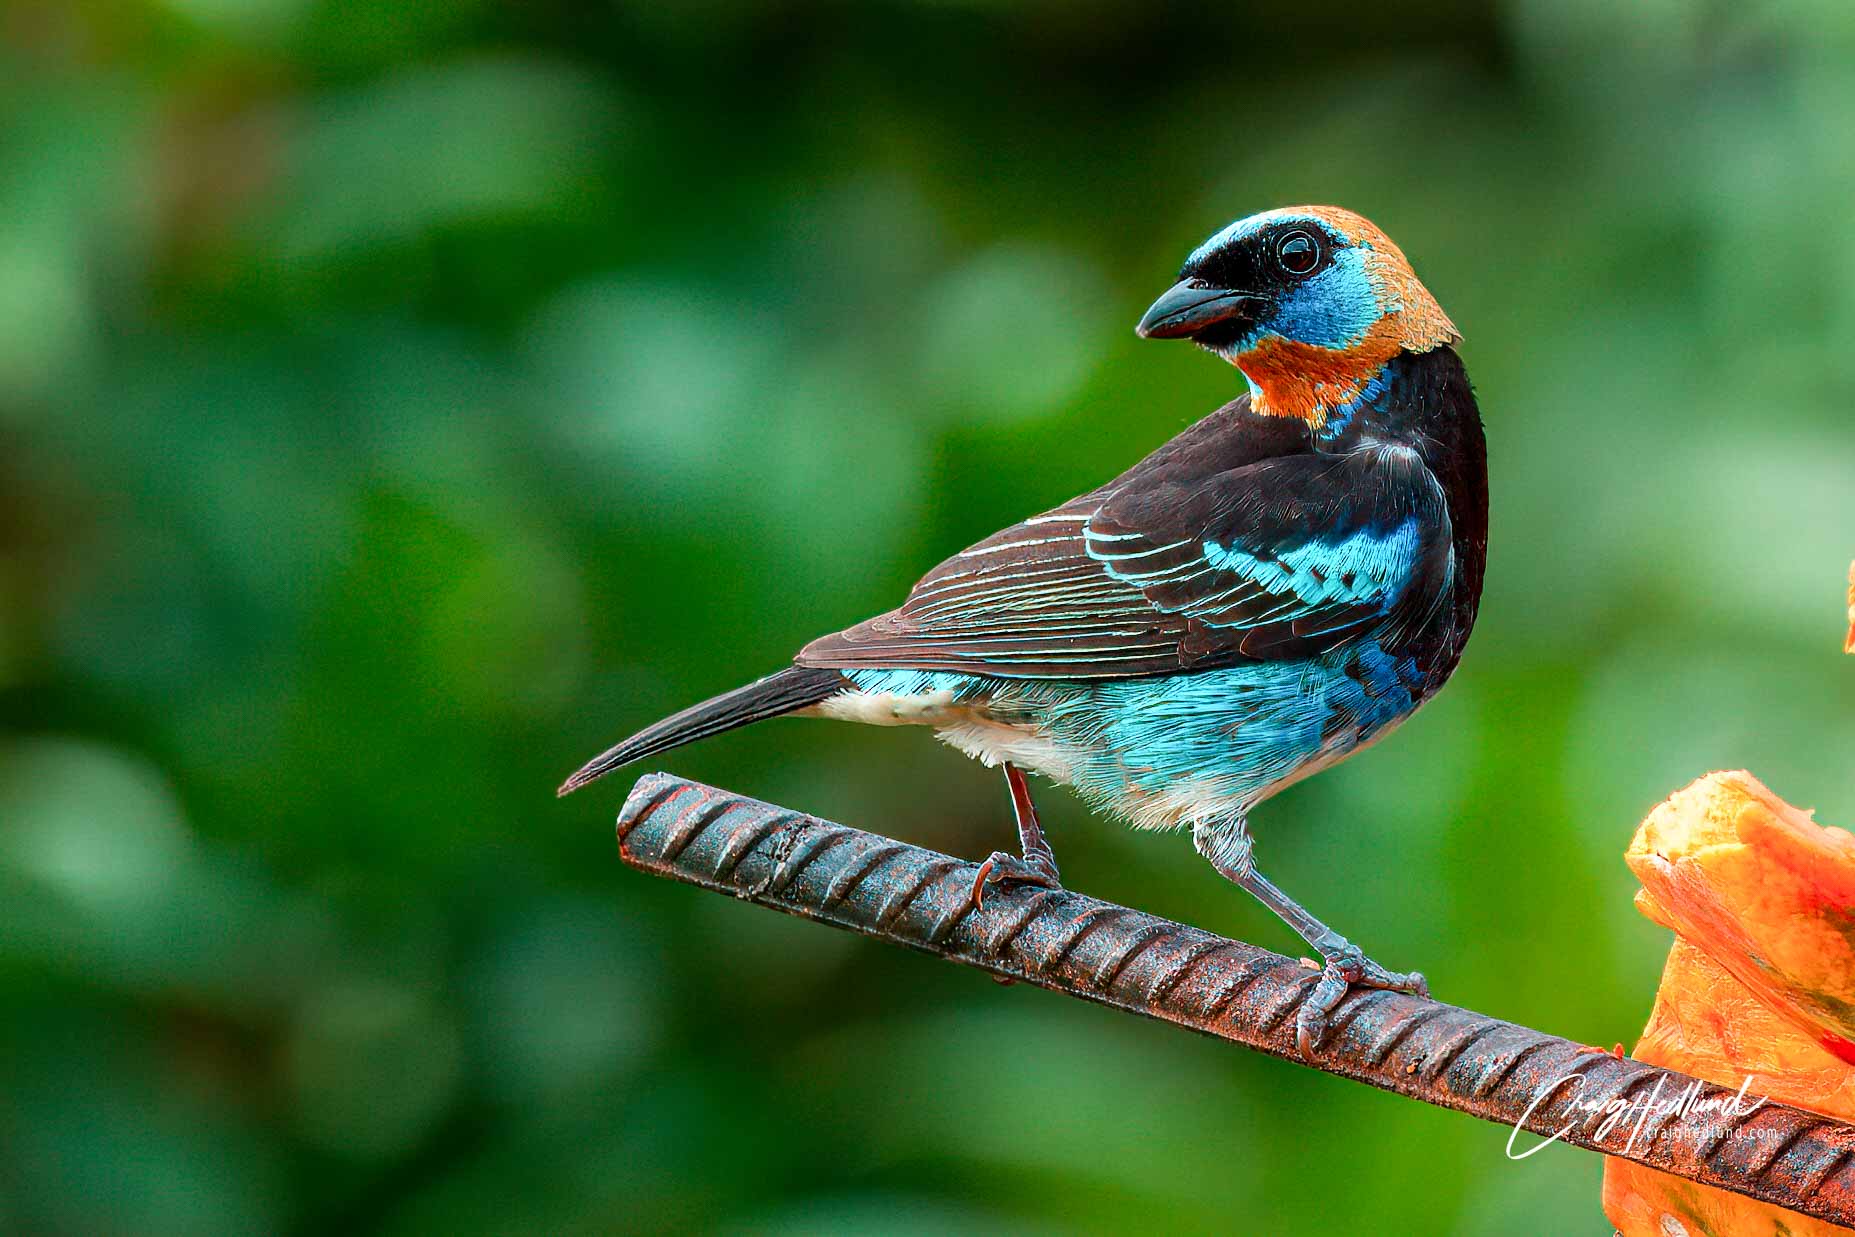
(1133,961)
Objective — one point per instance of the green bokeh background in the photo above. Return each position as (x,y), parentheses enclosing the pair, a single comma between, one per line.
(399,401)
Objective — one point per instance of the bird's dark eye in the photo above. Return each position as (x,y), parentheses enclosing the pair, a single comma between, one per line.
(1298,252)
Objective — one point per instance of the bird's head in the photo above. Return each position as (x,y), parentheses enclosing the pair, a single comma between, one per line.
(1309,302)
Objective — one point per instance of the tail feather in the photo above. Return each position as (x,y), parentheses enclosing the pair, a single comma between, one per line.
(789,689)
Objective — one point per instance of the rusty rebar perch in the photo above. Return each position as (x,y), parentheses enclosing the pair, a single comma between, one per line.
(1116,956)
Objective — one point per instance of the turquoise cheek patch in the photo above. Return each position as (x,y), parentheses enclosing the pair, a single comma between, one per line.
(1334,309)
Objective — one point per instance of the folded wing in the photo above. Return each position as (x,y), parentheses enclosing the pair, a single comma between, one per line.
(1280,558)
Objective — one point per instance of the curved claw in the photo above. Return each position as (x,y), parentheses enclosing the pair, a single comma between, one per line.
(1001,867)
(1346,967)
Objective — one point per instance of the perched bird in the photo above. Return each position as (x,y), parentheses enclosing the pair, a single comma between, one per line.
(1274,589)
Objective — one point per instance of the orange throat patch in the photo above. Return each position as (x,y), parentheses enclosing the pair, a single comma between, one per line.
(1292,379)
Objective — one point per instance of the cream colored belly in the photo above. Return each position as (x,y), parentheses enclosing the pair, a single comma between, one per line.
(964,726)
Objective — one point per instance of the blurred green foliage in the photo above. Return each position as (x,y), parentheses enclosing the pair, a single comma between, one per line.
(401,400)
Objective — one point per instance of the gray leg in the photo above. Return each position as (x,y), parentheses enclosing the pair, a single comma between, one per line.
(1038,863)
(1227,844)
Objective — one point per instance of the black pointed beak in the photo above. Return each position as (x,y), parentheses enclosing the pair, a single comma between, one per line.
(1191,305)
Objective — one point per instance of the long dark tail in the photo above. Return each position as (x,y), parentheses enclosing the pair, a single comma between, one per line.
(791,688)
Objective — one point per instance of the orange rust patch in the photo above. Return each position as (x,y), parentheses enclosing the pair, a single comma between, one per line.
(1294,379)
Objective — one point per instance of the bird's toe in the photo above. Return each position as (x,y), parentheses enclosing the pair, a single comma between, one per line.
(1345,967)
(1002,868)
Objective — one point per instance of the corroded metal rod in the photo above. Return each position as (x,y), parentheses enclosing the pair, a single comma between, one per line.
(1133,961)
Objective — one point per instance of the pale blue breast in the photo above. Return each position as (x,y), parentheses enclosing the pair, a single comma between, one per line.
(1223,739)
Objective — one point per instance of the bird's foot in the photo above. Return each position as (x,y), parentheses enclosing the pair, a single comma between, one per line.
(1344,968)
(1002,868)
